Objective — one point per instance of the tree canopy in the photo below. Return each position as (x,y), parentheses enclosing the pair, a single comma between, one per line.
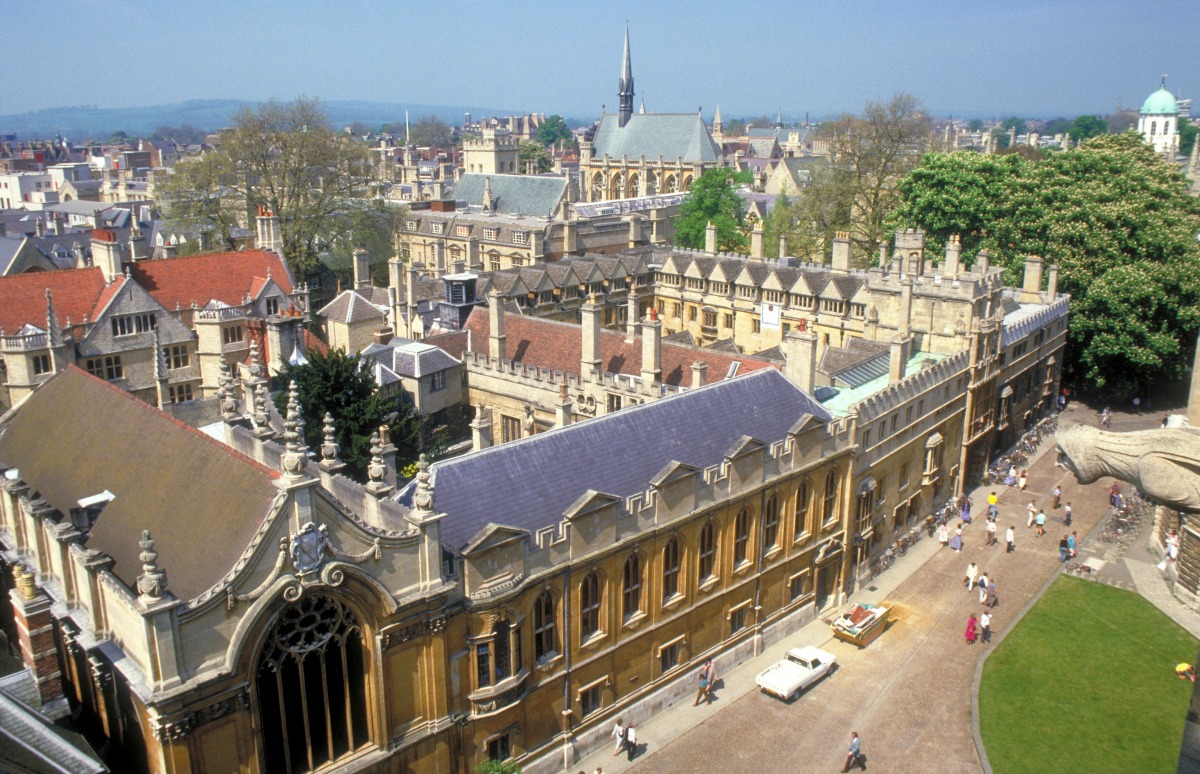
(279,156)
(712,198)
(532,151)
(342,385)
(1113,215)
(553,130)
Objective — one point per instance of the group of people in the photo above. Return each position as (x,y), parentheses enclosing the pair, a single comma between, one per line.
(979,628)
(626,738)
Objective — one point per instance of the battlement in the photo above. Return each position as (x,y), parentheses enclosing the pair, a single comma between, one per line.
(545,378)
(1026,325)
(896,395)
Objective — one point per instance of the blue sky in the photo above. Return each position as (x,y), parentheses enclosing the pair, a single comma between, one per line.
(968,58)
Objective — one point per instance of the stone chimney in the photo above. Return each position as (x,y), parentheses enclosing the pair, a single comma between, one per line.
(783,246)
(410,298)
(898,358)
(481,429)
(756,241)
(800,351)
(563,409)
(699,374)
(841,252)
(651,351)
(106,253)
(710,238)
(1052,284)
(362,269)
(1031,289)
(589,362)
(268,231)
(904,323)
(497,341)
(953,264)
(983,261)
(631,313)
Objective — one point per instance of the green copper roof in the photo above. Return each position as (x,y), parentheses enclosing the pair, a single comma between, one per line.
(1161,102)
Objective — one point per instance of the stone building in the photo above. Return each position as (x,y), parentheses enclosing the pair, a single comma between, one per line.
(1158,122)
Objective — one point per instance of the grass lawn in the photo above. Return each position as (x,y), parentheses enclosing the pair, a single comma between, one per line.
(1086,683)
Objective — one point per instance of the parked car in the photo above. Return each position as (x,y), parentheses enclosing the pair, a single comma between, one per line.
(798,670)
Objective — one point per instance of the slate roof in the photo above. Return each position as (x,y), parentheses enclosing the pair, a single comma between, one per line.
(353,306)
(558,346)
(655,134)
(514,194)
(201,500)
(411,359)
(542,476)
(224,277)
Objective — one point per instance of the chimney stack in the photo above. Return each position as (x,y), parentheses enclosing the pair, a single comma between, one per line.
(106,253)
(481,429)
(497,343)
(841,252)
(632,312)
(268,231)
(905,321)
(800,350)
(563,411)
(589,362)
(783,246)
(953,263)
(710,238)
(983,261)
(651,351)
(1052,284)
(699,374)
(362,269)
(756,241)
(1031,290)
(898,359)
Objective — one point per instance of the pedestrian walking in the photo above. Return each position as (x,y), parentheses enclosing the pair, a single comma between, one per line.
(1064,546)
(971,574)
(1040,519)
(991,593)
(1057,497)
(854,753)
(983,585)
(1011,478)
(943,535)
(965,511)
(991,532)
(1062,402)
(1067,514)
(985,627)
(1071,544)
(711,675)
(970,632)
(631,741)
(1114,492)
(993,499)
(1023,480)
(1031,512)
(1106,417)
(618,733)
(1008,536)
(702,690)
(1164,422)
(956,542)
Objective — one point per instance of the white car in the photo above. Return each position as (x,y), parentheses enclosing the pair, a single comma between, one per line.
(801,668)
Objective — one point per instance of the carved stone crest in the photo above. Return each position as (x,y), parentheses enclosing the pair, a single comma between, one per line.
(308,548)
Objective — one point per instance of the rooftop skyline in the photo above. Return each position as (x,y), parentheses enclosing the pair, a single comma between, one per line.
(1055,57)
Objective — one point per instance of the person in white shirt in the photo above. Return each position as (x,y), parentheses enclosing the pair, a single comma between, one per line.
(985,627)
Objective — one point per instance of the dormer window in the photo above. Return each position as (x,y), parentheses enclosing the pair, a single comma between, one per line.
(129,325)
(273,305)
(462,231)
(410,225)
(491,233)
(438,228)
(520,237)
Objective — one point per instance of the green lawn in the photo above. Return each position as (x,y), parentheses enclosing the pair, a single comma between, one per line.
(1086,683)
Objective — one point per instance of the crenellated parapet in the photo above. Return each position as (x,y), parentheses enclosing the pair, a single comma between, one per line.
(904,391)
(1025,325)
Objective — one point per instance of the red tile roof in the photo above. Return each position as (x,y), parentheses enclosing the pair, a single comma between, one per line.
(106,297)
(559,347)
(23,297)
(226,277)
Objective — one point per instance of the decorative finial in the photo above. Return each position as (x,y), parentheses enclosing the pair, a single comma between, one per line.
(255,367)
(329,449)
(225,392)
(152,581)
(260,405)
(53,330)
(376,469)
(25,582)
(295,454)
(423,497)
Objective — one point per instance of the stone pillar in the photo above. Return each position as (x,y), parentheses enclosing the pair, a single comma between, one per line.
(589,362)
(632,313)
(481,429)
(710,238)
(651,351)
(953,262)
(563,410)
(783,246)
(35,636)
(497,342)
(699,374)
(362,269)
(1052,284)
(905,319)
(1033,277)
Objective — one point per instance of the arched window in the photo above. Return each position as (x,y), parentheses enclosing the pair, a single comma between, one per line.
(1153,128)
(589,605)
(651,184)
(771,523)
(502,649)
(598,187)
(543,625)
(309,684)
(632,586)
(670,569)
(687,182)
(831,485)
(670,184)
(708,551)
(801,510)
(634,184)
(741,536)
(616,187)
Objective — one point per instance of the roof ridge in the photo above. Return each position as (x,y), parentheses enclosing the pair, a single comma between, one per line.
(71,367)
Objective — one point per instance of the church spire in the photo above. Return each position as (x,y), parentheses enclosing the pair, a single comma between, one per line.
(625,85)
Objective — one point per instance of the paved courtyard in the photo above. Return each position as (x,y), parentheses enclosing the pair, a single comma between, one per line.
(908,694)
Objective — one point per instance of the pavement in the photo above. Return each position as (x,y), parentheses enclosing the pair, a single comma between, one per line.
(912,693)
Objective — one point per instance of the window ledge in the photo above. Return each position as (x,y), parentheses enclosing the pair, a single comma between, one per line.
(593,639)
(743,567)
(498,689)
(804,537)
(635,620)
(673,601)
(708,584)
(773,552)
(549,661)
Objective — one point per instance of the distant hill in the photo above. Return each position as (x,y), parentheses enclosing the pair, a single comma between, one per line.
(88,121)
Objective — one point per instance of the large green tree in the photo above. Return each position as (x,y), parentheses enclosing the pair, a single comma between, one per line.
(342,385)
(871,153)
(279,156)
(532,151)
(1117,220)
(783,220)
(554,130)
(712,198)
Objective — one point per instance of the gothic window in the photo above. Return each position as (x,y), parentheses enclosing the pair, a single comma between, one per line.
(831,485)
(741,536)
(771,522)
(634,184)
(801,510)
(670,570)
(598,187)
(616,189)
(670,185)
(543,625)
(589,605)
(708,551)
(651,184)
(311,686)
(687,182)
(632,586)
